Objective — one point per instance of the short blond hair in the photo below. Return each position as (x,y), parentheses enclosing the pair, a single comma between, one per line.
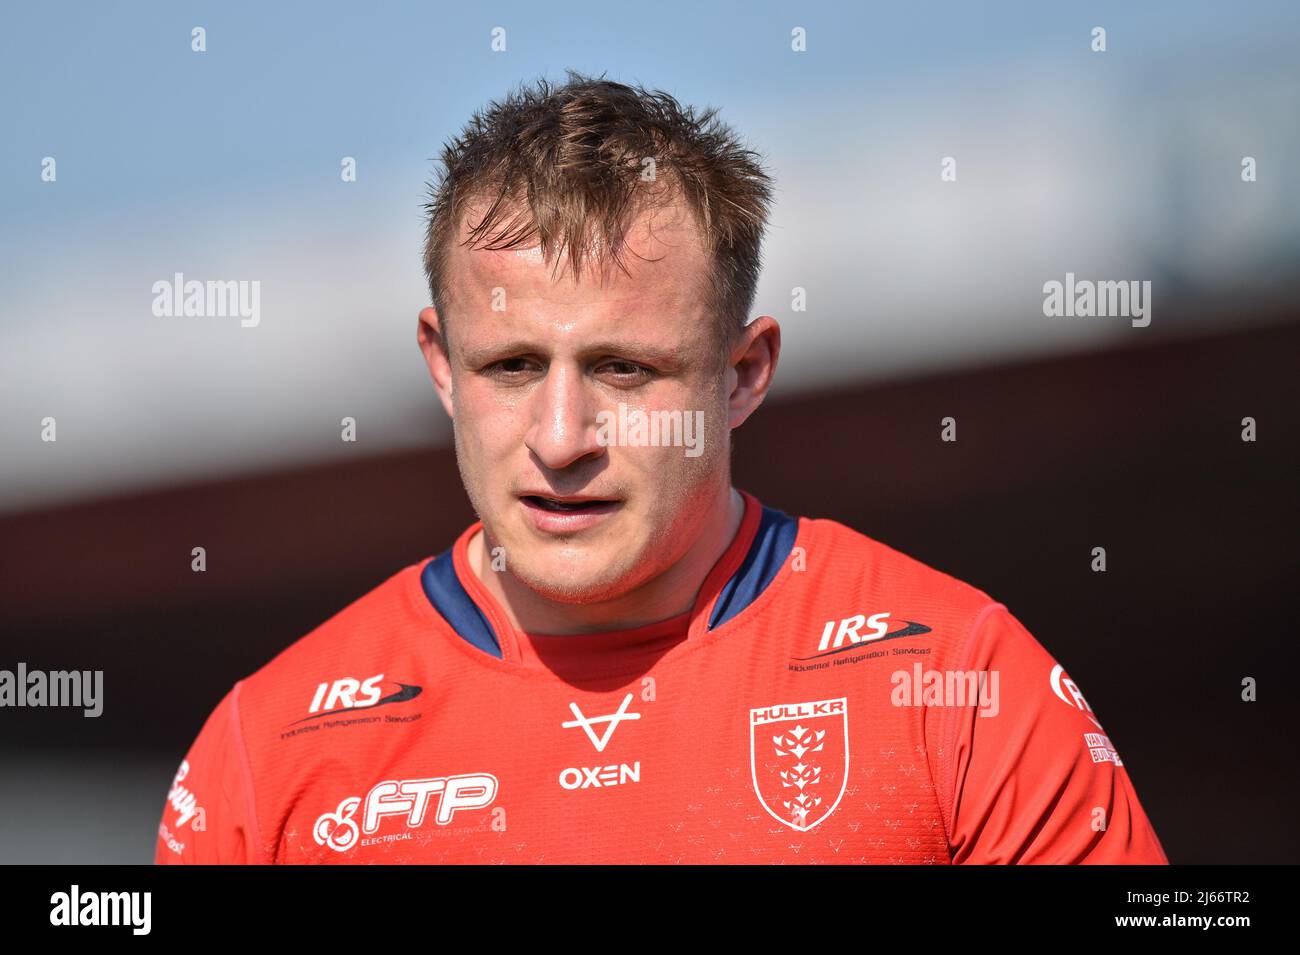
(569,162)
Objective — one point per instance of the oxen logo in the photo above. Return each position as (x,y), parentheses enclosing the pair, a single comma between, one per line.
(613,719)
(799,759)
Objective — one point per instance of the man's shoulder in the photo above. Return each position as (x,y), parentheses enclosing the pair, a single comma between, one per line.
(370,631)
(849,574)
(849,555)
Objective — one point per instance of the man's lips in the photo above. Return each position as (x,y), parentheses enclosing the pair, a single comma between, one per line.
(564,517)
(569,503)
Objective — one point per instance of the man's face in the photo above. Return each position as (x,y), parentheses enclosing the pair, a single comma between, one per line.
(537,358)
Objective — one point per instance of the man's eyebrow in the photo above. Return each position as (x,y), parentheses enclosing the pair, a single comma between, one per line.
(646,351)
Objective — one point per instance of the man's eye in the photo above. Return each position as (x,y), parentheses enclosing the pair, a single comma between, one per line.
(629,370)
(508,366)
(624,371)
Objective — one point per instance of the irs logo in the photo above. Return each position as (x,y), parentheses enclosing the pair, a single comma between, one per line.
(799,760)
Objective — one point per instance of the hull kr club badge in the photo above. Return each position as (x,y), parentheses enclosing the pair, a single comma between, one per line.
(799,759)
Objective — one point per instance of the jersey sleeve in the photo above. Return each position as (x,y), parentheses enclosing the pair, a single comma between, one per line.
(209,815)
(1033,777)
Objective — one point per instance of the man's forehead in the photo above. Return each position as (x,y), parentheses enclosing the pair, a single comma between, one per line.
(663,252)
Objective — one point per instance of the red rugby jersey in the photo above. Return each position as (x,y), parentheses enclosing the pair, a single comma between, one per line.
(827,699)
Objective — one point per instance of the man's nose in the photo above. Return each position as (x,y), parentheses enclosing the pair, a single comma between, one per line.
(563,428)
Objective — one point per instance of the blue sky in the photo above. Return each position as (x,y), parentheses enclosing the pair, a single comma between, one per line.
(225,165)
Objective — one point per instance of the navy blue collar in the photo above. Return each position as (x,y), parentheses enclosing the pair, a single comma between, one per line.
(772,544)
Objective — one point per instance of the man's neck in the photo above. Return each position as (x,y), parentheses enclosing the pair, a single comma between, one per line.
(668,595)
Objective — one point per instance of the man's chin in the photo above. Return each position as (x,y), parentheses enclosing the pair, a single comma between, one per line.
(585,582)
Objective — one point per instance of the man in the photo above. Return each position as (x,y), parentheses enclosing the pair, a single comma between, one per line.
(626,659)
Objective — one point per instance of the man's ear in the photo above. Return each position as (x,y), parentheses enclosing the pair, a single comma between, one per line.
(429,335)
(752,367)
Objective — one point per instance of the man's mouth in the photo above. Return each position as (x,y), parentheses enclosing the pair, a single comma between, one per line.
(565,506)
